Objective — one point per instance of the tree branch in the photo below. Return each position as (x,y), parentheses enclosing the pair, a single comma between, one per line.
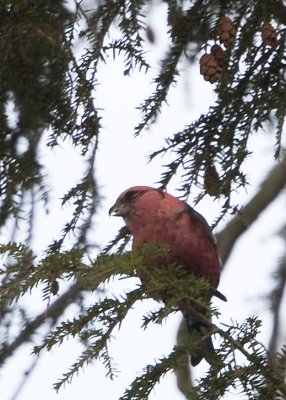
(279,11)
(276,300)
(54,311)
(183,371)
(269,190)
(226,239)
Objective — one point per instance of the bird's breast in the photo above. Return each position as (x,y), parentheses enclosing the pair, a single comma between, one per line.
(186,246)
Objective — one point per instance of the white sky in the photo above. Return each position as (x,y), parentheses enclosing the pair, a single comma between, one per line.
(122,163)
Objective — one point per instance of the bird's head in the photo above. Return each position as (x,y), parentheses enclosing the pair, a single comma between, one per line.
(135,198)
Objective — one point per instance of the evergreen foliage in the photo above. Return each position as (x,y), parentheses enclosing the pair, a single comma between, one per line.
(52,87)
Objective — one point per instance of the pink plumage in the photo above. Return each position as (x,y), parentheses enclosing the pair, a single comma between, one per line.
(154,216)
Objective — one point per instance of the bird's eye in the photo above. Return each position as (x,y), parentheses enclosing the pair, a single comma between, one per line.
(130,196)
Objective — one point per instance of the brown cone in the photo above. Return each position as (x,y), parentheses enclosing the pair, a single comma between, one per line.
(211,181)
(269,35)
(226,31)
(210,67)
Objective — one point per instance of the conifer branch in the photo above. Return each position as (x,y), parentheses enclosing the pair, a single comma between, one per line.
(279,11)
(37,47)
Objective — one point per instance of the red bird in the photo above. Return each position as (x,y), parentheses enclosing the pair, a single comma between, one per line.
(154,216)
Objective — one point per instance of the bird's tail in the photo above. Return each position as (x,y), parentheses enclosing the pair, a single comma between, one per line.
(200,336)
(203,345)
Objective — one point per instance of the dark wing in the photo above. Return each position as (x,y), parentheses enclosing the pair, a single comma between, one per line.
(197,218)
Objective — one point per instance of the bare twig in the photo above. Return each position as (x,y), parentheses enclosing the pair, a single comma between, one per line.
(54,312)
(269,190)
(276,300)
(183,371)
(23,382)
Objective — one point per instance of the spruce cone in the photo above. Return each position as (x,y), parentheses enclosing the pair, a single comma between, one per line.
(212,181)
(218,54)
(226,31)
(150,34)
(210,67)
(54,287)
(269,35)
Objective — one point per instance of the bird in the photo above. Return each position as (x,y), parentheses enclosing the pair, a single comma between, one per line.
(154,216)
